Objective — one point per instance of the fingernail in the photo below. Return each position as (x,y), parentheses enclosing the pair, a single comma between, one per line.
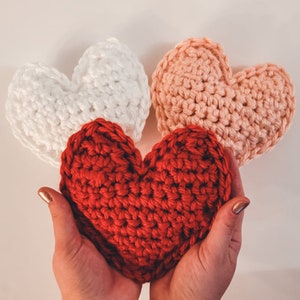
(44,195)
(240,206)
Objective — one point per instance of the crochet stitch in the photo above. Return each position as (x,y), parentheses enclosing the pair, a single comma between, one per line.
(143,215)
(44,107)
(248,111)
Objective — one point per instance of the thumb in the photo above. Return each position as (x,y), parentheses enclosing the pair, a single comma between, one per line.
(66,234)
(226,231)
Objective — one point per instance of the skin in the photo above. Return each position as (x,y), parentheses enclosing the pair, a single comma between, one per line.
(80,270)
(204,272)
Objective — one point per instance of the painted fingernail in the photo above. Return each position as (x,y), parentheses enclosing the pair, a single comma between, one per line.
(44,195)
(240,206)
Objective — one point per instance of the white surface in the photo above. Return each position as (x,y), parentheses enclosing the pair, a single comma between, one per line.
(57,32)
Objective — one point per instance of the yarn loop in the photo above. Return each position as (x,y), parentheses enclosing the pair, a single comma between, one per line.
(249,111)
(44,107)
(144,214)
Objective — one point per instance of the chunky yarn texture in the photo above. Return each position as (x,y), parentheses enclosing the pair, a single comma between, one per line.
(248,111)
(44,107)
(144,214)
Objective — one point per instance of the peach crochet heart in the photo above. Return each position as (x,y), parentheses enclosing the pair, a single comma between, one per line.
(44,107)
(248,111)
(144,214)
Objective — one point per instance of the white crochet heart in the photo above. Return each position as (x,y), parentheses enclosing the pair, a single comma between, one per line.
(44,107)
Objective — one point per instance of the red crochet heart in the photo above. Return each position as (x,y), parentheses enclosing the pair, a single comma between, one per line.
(143,215)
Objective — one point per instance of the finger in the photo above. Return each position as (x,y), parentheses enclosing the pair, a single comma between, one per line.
(66,234)
(226,228)
(236,183)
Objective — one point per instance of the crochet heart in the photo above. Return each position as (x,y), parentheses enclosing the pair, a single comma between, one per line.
(248,111)
(44,107)
(143,215)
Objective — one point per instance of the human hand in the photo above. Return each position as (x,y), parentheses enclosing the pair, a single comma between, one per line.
(81,271)
(206,270)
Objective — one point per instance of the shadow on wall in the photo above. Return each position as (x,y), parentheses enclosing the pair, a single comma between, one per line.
(6,75)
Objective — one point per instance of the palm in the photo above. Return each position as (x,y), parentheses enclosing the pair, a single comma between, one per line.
(91,274)
(81,271)
(192,276)
(206,270)
(177,284)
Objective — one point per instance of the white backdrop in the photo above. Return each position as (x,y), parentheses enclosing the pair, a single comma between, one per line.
(57,32)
